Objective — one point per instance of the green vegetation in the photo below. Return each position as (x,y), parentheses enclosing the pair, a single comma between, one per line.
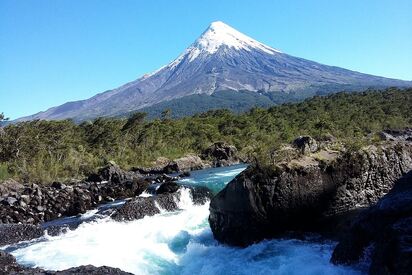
(44,151)
(239,101)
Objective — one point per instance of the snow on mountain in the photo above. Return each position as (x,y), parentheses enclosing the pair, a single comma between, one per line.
(221,59)
(219,34)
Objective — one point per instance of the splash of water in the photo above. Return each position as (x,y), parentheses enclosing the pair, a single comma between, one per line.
(178,242)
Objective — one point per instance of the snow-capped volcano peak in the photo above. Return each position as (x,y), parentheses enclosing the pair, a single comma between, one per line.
(222,59)
(218,35)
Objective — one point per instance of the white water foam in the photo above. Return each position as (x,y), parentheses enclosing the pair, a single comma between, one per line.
(144,246)
(179,242)
(185,199)
(175,243)
(145,194)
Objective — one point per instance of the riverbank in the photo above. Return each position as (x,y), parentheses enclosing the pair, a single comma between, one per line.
(35,203)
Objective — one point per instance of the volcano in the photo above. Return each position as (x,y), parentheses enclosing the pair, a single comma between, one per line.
(222,65)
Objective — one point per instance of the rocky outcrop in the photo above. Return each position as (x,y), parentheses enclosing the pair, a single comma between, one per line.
(306,192)
(167,187)
(386,229)
(397,135)
(164,166)
(164,201)
(113,173)
(140,207)
(34,204)
(14,233)
(8,265)
(216,155)
(10,187)
(188,163)
(305,144)
(221,154)
(89,269)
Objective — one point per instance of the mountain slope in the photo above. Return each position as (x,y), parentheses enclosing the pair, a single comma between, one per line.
(221,59)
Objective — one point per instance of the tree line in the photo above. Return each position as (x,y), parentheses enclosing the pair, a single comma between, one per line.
(45,151)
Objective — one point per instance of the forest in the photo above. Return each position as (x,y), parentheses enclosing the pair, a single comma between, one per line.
(45,151)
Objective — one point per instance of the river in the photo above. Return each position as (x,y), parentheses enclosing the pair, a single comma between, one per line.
(179,242)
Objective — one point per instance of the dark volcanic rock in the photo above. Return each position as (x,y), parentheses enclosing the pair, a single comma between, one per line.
(14,233)
(188,163)
(89,269)
(8,265)
(112,172)
(149,206)
(200,194)
(303,194)
(306,144)
(388,227)
(165,166)
(168,187)
(10,186)
(221,154)
(34,204)
(397,135)
(140,207)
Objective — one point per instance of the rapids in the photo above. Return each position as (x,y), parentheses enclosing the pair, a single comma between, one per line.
(178,242)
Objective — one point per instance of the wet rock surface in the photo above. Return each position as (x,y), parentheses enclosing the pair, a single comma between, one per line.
(14,233)
(168,187)
(386,228)
(8,265)
(24,207)
(29,210)
(140,207)
(305,193)
(89,269)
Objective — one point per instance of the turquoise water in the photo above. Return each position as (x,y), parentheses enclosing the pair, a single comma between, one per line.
(214,178)
(178,242)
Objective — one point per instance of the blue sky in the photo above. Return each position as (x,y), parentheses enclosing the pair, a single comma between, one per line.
(54,51)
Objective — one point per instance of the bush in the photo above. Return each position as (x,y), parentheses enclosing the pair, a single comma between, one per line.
(44,151)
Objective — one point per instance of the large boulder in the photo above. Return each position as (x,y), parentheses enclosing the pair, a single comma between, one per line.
(140,207)
(10,186)
(305,144)
(167,187)
(113,173)
(387,228)
(168,200)
(164,166)
(188,163)
(221,154)
(306,193)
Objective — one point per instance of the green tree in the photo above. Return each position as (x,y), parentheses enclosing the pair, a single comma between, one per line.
(166,114)
(3,118)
